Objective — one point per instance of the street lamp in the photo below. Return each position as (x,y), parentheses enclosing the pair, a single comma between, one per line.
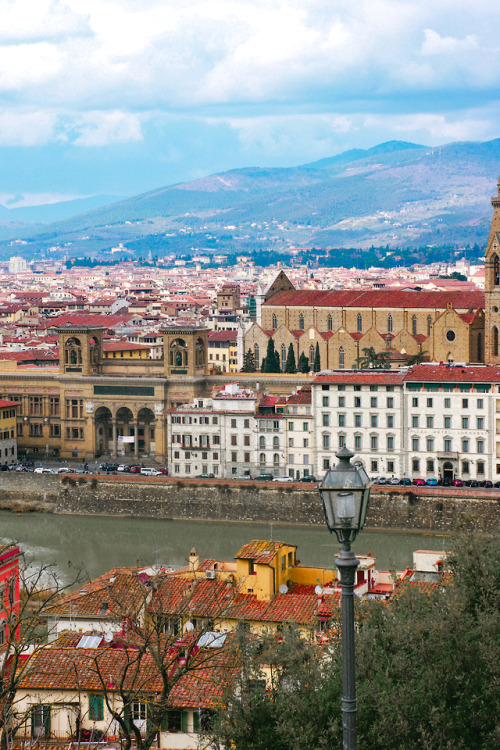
(345,491)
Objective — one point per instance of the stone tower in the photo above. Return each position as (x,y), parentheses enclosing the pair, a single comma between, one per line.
(492,286)
(80,349)
(185,351)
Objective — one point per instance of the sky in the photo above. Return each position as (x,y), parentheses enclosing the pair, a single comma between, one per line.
(119,97)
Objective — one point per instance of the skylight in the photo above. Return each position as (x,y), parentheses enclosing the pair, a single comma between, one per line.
(89,641)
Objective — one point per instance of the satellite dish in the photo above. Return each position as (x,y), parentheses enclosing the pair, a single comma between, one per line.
(189,626)
(318,590)
(283,588)
(108,637)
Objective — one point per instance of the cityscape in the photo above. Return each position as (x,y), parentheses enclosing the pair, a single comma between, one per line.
(249,375)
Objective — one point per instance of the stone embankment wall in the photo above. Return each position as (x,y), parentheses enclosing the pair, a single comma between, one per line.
(413,509)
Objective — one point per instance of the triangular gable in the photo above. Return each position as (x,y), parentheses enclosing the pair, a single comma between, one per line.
(281,283)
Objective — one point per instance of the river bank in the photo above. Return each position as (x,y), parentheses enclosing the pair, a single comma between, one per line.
(411,509)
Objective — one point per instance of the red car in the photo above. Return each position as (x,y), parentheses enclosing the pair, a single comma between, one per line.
(457,483)
(163,471)
(419,482)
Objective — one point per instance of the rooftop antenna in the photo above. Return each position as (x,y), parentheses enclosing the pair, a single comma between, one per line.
(271,525)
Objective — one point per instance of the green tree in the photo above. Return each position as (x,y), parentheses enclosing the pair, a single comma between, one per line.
(271,362)
(290,365)
(248,361)
(317,360)
(417,358)
(303,363)
(373,360)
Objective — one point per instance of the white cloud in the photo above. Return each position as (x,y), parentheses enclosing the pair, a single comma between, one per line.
(435,44)
(27,127)
(106,128)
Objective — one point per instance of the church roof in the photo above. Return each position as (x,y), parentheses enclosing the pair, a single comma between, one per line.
(384,298)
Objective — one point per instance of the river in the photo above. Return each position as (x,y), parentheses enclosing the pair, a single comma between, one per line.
(96,544)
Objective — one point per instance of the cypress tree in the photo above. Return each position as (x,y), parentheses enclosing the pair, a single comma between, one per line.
(317,360)
(290,365)
(271,362)
(303,364)
(248,362)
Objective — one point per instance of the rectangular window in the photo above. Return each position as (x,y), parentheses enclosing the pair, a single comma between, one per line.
(447,403)
(290,442)
(357,402)
(389,388)
(55,430)
(374,442)
(341,441)
(480,423)
(290,426)
(480,403)
(465,467)
(415,444)
(447,445)
(415,464)
(215,420)
(234,457)
(305,442)
(465,403)
(429,403)
(430,422)
(373,420)
(373,402)
(341,420)
(357,442)
(325,420)
(414,402)
(326,442)
(374,387)
(430,445)
(480,467)
(357,420)
(390,467)
(447,423)
(233,424)
(325,400)
(430,465)
(96,707)
(480,446)
(465,423)
(390,443)
(54,406)
(374,466)
(234,440)
(465,446)
(246,424)
(341,402)
(305,426)
(326,464)
(390,402)
(291,458)
(415,420)
(339,387)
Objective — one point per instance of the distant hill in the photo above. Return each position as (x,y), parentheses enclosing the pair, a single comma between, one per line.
(396,194)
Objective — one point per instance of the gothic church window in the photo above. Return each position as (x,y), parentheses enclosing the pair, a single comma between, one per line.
(389,323)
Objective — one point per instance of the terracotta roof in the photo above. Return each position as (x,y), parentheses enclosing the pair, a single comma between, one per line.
(3,404)
(222,336)
(260,551)
(384,298)
(454,374)
(361,376)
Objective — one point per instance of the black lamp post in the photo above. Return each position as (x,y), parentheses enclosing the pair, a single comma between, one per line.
(345,491)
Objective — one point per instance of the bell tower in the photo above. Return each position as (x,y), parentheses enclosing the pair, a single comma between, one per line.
(492,286)
(185,351)
(80,349)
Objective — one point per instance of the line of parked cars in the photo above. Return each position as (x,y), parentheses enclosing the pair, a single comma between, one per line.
(432,482)
(146,471)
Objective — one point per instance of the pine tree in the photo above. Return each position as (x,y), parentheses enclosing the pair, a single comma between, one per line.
(317,360)
(303,364)
(290,365)
(248,362)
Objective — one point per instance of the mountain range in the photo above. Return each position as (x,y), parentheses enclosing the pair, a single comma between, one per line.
(398,194)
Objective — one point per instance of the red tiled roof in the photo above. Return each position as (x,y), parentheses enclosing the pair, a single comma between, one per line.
(260,551)
(222,336)
(454,374)
(361,376)
(385,298)
(4,404)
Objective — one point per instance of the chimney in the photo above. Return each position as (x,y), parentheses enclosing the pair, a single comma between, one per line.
(194,560)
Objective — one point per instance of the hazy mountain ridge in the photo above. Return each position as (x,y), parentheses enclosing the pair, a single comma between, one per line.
(396,193)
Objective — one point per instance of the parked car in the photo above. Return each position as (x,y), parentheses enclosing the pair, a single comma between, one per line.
(242,476)
(380,480)
(393,480)
(419,482)
(206,475)
(445,482)
(308,478)
(457,483)
(136,469)
(487,483)
(431,482)
(64,470)
(284,479)
(149,471)
(44,470)
(265,477)
(111,467)
(123,467)
(497,484)
(163,470)
(405,481)
(474,483)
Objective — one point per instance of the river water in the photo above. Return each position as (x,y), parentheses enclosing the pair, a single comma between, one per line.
(96,544)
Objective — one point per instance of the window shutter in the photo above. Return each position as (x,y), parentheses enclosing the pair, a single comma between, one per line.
(184,721)
(196,721)
(164,722)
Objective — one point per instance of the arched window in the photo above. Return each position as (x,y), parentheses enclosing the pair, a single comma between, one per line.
(276,442)
(429,324)
(360,323)
(414,325)
(256,356)
(330,323)
(262,459)
(276,459)
(341,358)
(262,442)
(389,323)
(479,347)
(301,322)
(496,270)
(275,321)
(283,357)
(311,357)
(495,341)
